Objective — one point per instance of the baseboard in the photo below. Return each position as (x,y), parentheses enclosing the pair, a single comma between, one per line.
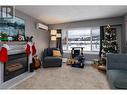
(15,81)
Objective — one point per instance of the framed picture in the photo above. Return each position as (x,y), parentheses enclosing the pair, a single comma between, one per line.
(11,28)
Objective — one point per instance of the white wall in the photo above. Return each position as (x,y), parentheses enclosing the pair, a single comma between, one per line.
(41,38)
(95,23)
(88,23)
(1,73)
(124,37)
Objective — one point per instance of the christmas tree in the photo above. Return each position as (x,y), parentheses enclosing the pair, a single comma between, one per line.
(109,43)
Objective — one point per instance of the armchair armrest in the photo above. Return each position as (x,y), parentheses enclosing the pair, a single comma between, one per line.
(44,55)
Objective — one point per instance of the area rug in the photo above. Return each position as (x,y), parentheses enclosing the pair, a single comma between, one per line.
(66,77)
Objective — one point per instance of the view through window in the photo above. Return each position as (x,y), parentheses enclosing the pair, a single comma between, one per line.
(89,38)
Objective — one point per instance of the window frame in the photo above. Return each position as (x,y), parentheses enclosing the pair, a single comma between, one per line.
(91,49)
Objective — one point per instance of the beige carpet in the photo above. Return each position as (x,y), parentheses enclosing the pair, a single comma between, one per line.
(66,77)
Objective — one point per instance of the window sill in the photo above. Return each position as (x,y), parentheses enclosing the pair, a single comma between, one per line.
(86,52)
(91,52)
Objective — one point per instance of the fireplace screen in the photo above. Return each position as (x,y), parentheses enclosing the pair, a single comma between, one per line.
(16,65)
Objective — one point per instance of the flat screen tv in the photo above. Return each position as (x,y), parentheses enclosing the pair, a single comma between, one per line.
(11,29)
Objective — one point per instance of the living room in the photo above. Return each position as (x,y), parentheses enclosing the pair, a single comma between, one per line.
(71,52)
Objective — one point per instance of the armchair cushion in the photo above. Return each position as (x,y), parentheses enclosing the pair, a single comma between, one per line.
(56,53)
(118,78)
(117,61)
(49,51)
(52,61)
(118,66)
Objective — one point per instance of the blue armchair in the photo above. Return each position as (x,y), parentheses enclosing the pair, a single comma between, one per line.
(51,61)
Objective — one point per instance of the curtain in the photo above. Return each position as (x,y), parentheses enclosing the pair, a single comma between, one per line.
(59,41)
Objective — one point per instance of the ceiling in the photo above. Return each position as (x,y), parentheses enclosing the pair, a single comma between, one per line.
(62,14)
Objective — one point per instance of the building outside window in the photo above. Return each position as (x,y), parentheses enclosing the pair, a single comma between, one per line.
(89,38)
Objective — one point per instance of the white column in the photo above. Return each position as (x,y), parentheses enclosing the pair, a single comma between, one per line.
(1,72)
(30,56)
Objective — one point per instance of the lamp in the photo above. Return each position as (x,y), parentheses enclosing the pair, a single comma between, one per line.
(53,38)
(58,35)
(53,32)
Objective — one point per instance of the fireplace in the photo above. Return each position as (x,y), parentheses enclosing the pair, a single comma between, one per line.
(17,61)
(16,65)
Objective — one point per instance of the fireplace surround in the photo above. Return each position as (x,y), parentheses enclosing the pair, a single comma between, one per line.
(16,65)
(16,54)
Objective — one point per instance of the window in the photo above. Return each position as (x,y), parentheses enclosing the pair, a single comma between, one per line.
(89,38)
(95,34)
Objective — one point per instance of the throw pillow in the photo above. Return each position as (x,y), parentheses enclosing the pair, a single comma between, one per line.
(56,53)
(49,52)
